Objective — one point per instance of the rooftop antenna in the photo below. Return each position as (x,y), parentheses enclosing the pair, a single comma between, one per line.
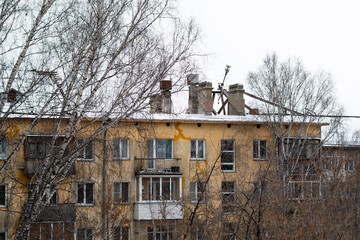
(221,89)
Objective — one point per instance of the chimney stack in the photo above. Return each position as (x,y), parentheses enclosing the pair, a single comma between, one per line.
(161,102)
(236,100)
(200,96)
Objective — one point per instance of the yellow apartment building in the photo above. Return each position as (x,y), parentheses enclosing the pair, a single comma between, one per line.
(143,177)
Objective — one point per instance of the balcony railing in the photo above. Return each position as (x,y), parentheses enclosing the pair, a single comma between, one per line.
(33,166)
(158,210)
(157,165)
(58,213)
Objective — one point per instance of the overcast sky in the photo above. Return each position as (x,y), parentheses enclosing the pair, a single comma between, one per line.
(325,34)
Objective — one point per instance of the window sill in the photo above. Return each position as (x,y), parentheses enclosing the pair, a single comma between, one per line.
(121,159)
(122,203)
(85,204)
(228,171)
(260,159)
(3,206)
(84,160)
(197,159)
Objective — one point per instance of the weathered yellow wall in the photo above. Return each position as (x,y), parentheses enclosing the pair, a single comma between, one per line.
(123,170)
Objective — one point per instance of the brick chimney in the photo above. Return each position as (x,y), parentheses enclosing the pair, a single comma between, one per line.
(205,99)
(236,104)
(161,102)
(200,96)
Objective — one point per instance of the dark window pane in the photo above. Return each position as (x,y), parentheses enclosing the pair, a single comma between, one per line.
(168,148)
(263,149)
(88,234)
(32,150)
(161,148)
(124,148)
(89,151)
(116,148)
(3,195)
(81,234)
(80,196)
(125,192)
(166,190)
(3,146)
(151,148)
(193,148)
(201,148)
(227,157)
(89,193)
(227,167)
(256,149)
(227,145)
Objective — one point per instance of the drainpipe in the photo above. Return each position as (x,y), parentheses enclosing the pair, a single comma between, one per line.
(104,210)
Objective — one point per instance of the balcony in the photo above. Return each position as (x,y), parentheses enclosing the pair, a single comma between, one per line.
(158,210)
(157,165)
(32,166)
(158,197)
(38,148)
(58,213)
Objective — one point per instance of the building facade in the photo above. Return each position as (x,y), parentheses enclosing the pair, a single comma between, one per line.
(145,177)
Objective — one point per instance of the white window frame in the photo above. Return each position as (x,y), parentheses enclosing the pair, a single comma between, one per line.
(196,193)
(82,151)
(228,151)
(5,234)
(120,230)
(5,195)
(151,161)
(85,233)
(84,203)
(228,193)
(3,146)
(121,193)
(305,187)
(258,150)
(197,143)
(347,168)
(119,148)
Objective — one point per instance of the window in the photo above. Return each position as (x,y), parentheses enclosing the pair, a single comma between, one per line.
(84,234)
(121,148)
(260,187)
(197,192)
(3,195)
(38,147)
(259,151)
(53,199)
(197,149)
(121,233)
(85,194)
(228,155)
(2,235)
(161,233)
(228,196)
(121,192)
(296,190)
(85,153)
(3,147)
(166,192)
(349,165)
(159,148)
(229,231)
(301,148)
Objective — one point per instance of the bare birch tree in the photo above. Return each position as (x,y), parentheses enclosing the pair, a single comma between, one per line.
(80,64)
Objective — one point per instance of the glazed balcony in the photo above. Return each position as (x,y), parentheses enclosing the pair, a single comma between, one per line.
(158,197)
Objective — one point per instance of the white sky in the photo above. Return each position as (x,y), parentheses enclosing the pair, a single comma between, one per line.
(325,34)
